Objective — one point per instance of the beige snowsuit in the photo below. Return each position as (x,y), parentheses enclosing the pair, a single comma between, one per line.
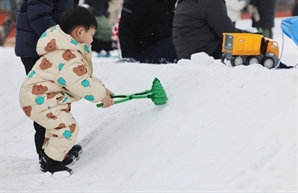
(62,75)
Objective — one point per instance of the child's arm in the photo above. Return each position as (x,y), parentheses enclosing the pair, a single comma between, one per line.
(109,93)
(75,78)
(107,102)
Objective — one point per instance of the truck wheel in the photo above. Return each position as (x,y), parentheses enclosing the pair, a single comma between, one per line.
(268,63)
(236,61)
(253,60)
(223,57)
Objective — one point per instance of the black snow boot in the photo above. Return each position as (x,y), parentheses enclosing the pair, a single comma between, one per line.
(76,148)
(70,159)
(73,155)
(284,66)
(49,165)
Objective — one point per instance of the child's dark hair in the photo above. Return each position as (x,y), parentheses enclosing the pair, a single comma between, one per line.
(77,16)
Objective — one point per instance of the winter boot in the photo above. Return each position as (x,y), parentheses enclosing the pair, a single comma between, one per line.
(76,148)
(73,155)
(70,159)
(49,165)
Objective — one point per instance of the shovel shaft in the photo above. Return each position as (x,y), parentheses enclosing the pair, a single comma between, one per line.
(127,98)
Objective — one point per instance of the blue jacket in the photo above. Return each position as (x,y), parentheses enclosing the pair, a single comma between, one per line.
(35,17)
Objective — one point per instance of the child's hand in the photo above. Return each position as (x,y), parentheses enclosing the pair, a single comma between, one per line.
(109,93)
(107,102)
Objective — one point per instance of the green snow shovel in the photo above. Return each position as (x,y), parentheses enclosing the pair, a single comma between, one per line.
(157,94)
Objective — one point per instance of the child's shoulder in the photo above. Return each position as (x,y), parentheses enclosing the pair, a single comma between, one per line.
(63,56)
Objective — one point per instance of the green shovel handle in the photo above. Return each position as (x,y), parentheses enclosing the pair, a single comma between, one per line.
(128,97)
(115,102)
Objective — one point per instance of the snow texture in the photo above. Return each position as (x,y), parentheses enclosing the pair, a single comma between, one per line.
(223,129)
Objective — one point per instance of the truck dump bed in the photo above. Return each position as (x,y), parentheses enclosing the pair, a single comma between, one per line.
(242,44)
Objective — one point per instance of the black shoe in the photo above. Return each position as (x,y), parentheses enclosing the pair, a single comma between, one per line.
(77,148)
(49,165)
(73,155)
(71,158)
(284,66)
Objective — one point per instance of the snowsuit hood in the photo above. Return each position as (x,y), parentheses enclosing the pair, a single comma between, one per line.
(48,43)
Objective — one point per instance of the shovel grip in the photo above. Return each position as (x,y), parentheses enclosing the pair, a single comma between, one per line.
(115,102)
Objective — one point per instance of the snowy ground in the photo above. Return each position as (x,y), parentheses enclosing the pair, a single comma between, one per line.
(223,129)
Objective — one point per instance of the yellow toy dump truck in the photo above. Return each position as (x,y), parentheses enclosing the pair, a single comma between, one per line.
(248,48)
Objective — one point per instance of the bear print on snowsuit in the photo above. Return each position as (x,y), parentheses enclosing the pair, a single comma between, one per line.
(45,64)
(51,45)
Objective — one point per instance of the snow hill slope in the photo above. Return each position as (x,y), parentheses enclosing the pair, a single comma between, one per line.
(223,129)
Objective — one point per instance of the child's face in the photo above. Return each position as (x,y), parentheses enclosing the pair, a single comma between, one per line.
(86,37)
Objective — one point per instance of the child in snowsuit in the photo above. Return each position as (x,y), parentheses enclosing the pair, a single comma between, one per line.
(33,18)
(62,75)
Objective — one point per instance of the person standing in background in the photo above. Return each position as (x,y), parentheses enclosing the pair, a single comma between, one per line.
(33,18)
(295,9)
(234,8)
(198,26)
(145,31)
(109,8)
(99,5)
(263,14)
(102,39)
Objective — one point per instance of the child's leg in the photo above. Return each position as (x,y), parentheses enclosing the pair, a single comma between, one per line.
(39,136)
(61,132)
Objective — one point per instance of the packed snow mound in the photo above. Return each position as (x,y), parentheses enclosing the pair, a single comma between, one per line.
(223,128)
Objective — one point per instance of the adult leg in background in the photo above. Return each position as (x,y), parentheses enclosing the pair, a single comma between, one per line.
(267,32)
(162,52)
(98,45)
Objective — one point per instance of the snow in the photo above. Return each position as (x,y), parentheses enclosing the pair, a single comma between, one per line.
(223,129)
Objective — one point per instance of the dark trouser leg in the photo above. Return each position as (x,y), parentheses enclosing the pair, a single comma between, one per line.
(217,53)
(295,10)
(39,136)
(98,45)
(28,63)
(267,32)
(39,130)
(162,52)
